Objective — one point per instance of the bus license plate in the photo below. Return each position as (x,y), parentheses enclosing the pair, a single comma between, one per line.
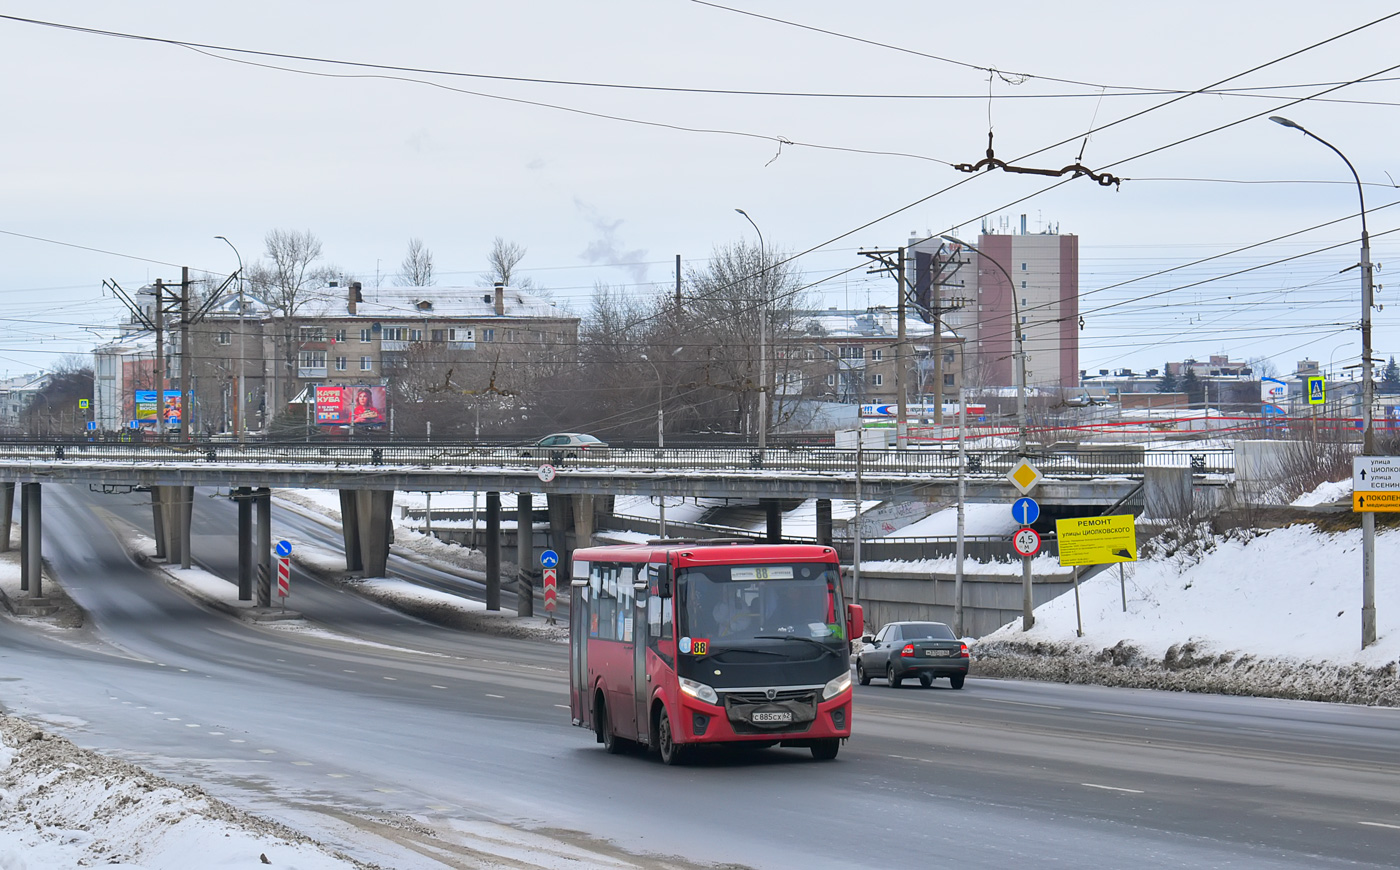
(938,652)
(773,716)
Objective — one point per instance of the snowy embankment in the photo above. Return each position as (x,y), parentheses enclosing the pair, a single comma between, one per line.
(1275,614)
(62,806)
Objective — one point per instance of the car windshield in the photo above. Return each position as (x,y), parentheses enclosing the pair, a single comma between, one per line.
(926,631)
(734,603)
(587,439)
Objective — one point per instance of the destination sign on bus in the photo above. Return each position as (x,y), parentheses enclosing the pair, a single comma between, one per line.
(762,572)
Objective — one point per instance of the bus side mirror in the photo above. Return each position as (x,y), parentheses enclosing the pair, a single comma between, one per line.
(663,581)
(855,620)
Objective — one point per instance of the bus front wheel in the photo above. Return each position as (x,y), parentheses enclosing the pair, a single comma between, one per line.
(826,749)
(671,752)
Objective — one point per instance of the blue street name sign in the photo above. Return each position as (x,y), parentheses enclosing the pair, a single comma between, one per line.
(549,559)
(1025,511)
(284,549)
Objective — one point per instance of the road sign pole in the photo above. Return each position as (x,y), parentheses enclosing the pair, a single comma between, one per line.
(1027,605)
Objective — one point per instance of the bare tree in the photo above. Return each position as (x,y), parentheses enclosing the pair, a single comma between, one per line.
(723,307)
(286,281)
(502,260)
(417,267)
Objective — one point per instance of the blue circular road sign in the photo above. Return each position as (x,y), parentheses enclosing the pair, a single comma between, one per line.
(549,559)
(284,548)
(1025,511)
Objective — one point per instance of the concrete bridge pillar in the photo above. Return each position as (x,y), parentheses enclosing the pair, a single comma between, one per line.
(158,521)
(244,498)
(583,520)
(262,498)
(350,529)
(824,535)
(31,537)
(7,511)
(1167,493)
(184,508)
(524,554)
(373,513)
(493,551)
(773,509)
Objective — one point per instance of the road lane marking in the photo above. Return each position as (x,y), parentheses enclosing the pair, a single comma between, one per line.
(489,695)
(911,758)
(337,775)
(562,706)
(1023,703)
(388,790)
(236,740)
(1381,825)
(268,751)
(191,725)
(302,763)
(215,733)
(393,679)
(439,687)
(1112,788)
(1130,716)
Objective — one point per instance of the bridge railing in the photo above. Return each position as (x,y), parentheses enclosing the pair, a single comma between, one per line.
(788,460)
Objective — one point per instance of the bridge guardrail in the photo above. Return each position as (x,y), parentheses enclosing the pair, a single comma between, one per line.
(981,464)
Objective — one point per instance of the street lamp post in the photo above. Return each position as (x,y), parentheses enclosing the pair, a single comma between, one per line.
(1019,354)
(1368,434)
(762,336)
(660,439)
(1019,367)
(242,348)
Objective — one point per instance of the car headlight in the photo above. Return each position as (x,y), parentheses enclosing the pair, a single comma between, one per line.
(702,692)
(836,686)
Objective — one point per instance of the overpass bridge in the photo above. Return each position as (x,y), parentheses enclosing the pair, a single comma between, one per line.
(367,475)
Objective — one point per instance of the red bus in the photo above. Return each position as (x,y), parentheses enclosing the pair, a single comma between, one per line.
(673,644)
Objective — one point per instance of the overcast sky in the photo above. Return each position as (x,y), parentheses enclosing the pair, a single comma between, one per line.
(124,158)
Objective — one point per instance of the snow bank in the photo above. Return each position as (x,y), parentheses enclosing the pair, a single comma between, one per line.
(62,806)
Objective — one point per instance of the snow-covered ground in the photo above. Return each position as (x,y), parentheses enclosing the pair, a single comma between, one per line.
(1275,613)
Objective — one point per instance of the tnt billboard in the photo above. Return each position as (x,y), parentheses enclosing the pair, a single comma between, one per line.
(360,405)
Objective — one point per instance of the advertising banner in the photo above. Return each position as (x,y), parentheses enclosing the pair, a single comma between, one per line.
(146,407)
(360,405)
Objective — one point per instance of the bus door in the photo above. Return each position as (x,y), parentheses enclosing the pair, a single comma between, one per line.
(641,692)
(580,606)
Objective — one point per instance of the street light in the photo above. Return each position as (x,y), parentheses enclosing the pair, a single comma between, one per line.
(762,336)
(1368,435)
(660,436)
(1019,354)
(242,348)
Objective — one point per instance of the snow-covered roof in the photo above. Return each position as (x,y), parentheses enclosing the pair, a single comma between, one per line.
(872,323)
(418,303)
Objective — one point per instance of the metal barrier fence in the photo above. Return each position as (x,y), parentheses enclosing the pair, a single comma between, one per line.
(815,460)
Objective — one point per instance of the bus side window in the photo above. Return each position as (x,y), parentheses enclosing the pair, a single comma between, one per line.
(626,602)
(659,619)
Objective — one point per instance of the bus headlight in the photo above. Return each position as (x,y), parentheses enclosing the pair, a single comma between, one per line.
(702,692)
(836,686)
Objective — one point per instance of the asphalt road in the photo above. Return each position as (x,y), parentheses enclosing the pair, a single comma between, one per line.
(388,717)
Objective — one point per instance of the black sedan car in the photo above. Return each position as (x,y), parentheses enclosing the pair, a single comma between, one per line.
(926,650)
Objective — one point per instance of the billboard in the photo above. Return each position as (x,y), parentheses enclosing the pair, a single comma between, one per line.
(169,409)
(361,405)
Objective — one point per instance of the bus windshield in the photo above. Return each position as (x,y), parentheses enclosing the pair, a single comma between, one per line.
(733,603)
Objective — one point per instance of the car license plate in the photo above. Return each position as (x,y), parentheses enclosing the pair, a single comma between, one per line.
(773,716)
(938,652)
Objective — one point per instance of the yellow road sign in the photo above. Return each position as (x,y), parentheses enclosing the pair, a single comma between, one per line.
(1097,540)
(1024,476)
(1388,502)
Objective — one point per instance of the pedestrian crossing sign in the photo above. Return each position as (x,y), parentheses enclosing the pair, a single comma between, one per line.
(1317,390)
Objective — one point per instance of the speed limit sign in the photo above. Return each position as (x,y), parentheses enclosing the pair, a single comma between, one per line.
(1026,542)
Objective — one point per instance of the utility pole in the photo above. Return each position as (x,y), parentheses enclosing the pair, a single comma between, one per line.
(186,359)
(160,360)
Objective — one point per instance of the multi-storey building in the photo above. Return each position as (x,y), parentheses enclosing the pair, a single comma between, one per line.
(849,357)
(1044,295)
(452,339)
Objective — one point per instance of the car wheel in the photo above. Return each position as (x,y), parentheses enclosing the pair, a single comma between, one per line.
(890,677)
(826,749)
(612,744)
(926,680)
(557,457)
(957,680)
(861,675)
(671,753)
